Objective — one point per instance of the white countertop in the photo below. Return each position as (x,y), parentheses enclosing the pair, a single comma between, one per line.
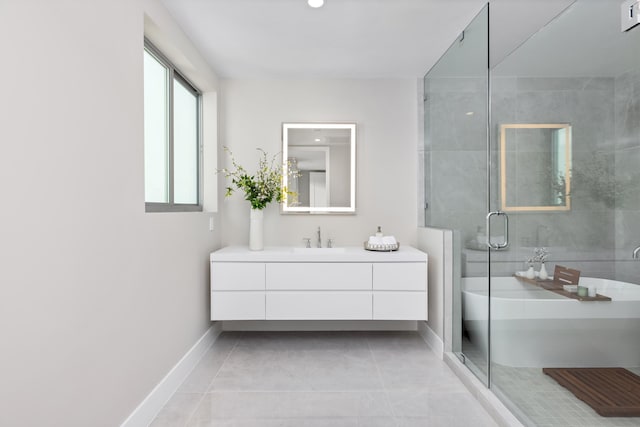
(289,254)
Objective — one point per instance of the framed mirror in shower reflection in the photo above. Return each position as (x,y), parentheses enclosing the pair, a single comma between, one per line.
(535,167)
(320,167)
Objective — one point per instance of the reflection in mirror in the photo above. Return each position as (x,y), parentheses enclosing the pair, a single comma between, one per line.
(535,167)
(319,171)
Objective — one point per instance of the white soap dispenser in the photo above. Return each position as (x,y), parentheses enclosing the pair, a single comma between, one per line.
(379,232)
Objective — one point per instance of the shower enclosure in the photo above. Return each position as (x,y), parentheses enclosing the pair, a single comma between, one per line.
(541,150)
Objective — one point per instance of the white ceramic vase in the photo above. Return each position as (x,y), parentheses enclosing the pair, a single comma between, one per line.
(256,233)
(530,273)
(543,272)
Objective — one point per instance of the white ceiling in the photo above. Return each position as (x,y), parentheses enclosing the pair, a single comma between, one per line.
(585,40)
(399,38)
(343,39)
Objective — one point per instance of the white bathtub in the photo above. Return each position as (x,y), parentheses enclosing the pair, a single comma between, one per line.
(533,327)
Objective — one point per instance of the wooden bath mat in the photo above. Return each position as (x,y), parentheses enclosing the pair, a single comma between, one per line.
(611,392)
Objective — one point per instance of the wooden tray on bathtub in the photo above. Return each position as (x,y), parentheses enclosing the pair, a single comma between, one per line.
(557,288)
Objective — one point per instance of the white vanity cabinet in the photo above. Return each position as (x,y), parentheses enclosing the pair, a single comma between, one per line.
(239,291)
(318,291)
(280,284)
(400,291)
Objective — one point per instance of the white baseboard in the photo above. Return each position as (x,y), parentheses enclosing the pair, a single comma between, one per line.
(489,401)
(432,340)
(146,411)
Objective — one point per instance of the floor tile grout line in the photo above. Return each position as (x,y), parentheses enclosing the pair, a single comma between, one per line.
(235,345)
(384,386)
(368,345)
(188,420)
(563,399)
(366,348)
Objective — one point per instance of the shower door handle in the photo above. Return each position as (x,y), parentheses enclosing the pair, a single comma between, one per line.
(498,246)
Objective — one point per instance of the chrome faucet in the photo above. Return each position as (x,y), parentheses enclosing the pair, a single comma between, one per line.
(319,240)
(636,253)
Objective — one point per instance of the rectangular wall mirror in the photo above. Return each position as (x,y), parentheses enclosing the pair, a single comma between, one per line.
(320,167)
(535,167)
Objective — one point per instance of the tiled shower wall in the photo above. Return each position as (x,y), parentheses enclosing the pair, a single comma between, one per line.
(627,171)
(604,113)
(455,153)
(587,104)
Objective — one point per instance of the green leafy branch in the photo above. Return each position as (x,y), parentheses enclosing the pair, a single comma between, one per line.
(261,188)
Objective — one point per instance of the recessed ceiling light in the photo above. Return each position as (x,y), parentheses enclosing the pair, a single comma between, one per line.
(469,113)
(315,3)
(317,139)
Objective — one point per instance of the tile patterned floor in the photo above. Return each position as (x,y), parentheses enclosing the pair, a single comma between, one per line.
(318,379)
(539,401)
(545,403)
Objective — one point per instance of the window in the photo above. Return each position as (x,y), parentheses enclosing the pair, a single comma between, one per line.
(172,147)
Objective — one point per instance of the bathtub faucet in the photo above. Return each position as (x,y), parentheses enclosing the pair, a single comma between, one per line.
(636,253)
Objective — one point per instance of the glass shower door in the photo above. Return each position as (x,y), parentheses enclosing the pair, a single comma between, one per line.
(456,186)
(564,152)
(556,161)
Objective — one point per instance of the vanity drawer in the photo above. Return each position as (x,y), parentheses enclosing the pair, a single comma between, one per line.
(309,305)
(237,276)
(409,276)
(318,276)
(243,305)
(388,305)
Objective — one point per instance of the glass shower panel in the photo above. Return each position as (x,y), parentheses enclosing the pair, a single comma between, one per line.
(455,153)
(568,169)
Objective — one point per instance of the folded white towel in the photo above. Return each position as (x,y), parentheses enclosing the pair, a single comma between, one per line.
(389,240)
(374,240)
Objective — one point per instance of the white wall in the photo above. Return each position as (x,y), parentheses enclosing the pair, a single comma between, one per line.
(438,244)
(251,114)
(98,300)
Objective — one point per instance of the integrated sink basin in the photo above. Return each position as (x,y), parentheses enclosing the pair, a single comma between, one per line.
(317,251)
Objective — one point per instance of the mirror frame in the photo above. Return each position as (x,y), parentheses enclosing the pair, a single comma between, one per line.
(351,209)
(503,168)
